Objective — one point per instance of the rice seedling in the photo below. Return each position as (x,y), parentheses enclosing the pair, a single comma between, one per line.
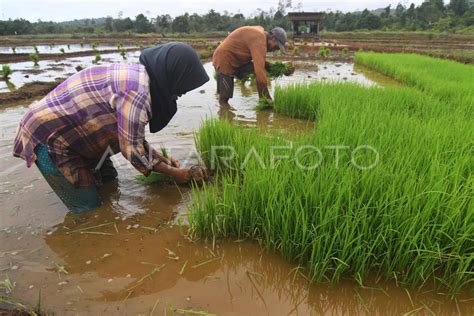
(123,53)
(324,52)
(97,59)
(274,70)
(13,47)
(35,48)
(345,51)
(263,104)
(204,54)
(447,80)
(82,44)
(94,45)
(119,45)
(400,208)
(155,177)
(6,290)
(296,51)
(68,46)
(35,58)
(62,50)
(51,46)
(6,72)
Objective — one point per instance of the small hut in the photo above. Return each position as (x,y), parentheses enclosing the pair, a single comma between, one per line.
(306,24)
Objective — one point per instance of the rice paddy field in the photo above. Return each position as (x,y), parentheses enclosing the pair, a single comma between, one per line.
(352,196)
(382,186)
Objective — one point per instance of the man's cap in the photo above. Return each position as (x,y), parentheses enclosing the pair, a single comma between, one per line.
(281,37)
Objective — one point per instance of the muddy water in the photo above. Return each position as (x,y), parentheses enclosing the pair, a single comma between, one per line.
(130,256)
(49,70)
(56,49)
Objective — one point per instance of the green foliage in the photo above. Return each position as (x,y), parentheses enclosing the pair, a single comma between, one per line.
(68,46)
(345,51)
(62,50)
(6,72)
(35,58)
(156,177)
(35,48)
(123,53)
(205,53)
(296,51)
(264,104)
(97,59)
(324,52)
(274,70)
(409,218)
(13,47)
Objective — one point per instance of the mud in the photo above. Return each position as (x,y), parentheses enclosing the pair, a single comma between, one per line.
(27,92)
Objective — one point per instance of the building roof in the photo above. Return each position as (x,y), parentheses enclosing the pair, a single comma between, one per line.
(305,16)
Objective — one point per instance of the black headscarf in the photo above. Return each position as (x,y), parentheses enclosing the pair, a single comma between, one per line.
(174,69)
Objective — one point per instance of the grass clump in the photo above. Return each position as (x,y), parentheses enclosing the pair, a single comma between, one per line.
(13,47)
(62,50)
(409,217)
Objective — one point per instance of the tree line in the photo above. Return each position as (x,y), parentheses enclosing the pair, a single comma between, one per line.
(431,15)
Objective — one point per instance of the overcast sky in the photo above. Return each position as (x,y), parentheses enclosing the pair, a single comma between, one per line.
(64,10)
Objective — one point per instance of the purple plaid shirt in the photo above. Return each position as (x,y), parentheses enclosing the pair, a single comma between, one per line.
(102,109)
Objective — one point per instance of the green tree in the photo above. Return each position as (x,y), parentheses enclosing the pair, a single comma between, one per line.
(459,7)
(181,24)
(142,24)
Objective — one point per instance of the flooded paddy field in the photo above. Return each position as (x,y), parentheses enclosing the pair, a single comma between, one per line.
(132,256)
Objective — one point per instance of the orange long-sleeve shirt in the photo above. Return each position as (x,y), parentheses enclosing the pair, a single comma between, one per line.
(245,44)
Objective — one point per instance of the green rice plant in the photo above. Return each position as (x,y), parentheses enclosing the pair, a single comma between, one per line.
(204,54)
(6,72)
(324,52)
(82,44)
(97,59)
(13,47)
(345,51)
(450,81)
(35,48)
(68,46)
(291,43)
(35,58)
(6,290)
(264,104)
(119,45)
(296,51)
(155,177)
(123,53)
(94,45)
(62,50)
(51,46)
(409,217)
(274,70)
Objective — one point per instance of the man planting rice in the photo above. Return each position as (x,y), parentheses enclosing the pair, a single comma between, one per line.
(244,51)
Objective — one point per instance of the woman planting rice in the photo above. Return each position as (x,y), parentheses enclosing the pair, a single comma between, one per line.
(103,110)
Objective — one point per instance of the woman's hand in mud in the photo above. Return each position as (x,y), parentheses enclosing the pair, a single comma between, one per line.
(175,163)
(181,176)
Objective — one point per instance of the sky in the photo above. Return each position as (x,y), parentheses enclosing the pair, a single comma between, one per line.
(65,10)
